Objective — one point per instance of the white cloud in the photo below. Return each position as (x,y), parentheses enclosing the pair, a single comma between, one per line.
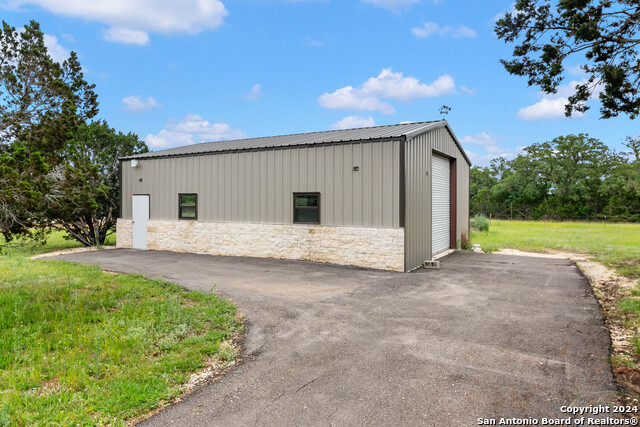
(490,144)
(467,90)
(255,93)
(479,159)
(125,35)
(392,5)
(351,122)
(551,106)
(427,29)
(576,71)
(136,104)
(348,98)
(464,31)
(161,16)
(393,85)
(431,28)
(387,85)
(308,41)
(568,89)
(168,139)
(545,109)
(190,130)
(56,51)
(483,139)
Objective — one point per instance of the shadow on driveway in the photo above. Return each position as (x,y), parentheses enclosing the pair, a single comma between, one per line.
(485,336)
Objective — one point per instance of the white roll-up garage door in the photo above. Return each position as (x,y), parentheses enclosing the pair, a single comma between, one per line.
(440,198)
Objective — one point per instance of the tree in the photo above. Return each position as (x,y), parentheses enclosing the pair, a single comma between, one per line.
(574,166)
(571,176)
(633,144)
(481,181)
(85,193)
(622,187)
(605,32)
(21,196)
(521,188)
(42,103)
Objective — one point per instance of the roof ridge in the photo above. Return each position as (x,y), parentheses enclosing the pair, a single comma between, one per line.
(398,130)
(316,132)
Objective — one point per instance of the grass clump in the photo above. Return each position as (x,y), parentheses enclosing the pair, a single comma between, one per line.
(480,223)
(80,346)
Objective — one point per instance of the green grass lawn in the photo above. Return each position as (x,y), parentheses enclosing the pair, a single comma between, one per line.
(615,245)
(55,242)
(80,346)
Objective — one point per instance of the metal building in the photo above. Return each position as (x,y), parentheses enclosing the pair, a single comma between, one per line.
(386,197)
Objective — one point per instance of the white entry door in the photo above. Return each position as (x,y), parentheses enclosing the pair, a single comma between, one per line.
(440,208)
(140,215)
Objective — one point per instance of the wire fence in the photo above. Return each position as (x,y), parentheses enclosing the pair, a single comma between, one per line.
(513,213)
(558,218)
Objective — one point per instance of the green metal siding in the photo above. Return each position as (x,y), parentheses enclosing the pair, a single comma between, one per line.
(258,186)
(418,152)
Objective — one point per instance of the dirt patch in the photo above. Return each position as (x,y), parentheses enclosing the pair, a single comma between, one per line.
(610,288)
(70,251)
(628,262)
(214,369)
(188,302)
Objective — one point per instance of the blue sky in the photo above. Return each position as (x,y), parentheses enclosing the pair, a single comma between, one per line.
(182,72)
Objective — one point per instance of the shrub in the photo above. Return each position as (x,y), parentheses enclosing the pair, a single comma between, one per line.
(480,223)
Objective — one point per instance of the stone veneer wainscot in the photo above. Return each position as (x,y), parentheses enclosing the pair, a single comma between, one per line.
(124,233)
(381,248)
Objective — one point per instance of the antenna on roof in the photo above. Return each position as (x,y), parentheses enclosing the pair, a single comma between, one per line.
(444,110)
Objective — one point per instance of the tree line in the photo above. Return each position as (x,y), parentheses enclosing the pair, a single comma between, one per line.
(58,162)
(569,177)
(573,176)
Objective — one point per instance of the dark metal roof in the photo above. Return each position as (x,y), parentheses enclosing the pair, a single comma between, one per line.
(405,130)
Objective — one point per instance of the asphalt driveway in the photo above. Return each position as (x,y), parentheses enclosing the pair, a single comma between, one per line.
(485,336)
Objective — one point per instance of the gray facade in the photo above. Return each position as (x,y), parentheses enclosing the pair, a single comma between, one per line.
(418,152)
(257,186)
(374,177)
